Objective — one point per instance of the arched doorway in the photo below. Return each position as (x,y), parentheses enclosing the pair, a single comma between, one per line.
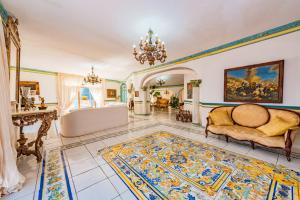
(123,89)
(191,77)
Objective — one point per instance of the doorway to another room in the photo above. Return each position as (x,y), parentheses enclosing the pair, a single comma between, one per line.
(166,93)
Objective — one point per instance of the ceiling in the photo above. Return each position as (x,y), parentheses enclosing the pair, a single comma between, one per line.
(71,35)
(171,80)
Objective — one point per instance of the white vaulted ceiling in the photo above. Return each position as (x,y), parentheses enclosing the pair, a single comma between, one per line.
(71,35)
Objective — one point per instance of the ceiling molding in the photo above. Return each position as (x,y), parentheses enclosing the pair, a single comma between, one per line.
(259,37)
(38,71)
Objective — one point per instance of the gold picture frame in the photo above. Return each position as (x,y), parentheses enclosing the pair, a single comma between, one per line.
(33,85)
(111,93)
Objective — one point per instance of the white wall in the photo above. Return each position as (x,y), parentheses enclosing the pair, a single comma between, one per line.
(48,84)
(211,69)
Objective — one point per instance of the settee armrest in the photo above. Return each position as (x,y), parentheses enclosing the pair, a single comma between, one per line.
(290,135)
(209,121)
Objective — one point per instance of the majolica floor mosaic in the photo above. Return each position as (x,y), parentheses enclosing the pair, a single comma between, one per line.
(155,157)
(165,166)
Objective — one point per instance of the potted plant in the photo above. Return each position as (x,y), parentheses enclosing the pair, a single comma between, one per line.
(174,102)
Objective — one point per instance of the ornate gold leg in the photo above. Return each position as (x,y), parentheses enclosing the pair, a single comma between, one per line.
(27,119)
(46,123)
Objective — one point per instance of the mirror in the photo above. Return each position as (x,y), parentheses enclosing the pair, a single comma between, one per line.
(12,41)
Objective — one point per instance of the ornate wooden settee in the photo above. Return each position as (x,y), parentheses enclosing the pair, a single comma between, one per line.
(162,103)
(256,124)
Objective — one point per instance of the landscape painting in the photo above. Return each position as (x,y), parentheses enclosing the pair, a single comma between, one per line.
(260,83)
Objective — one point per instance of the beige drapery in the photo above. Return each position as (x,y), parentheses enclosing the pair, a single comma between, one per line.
(10,178)
(97,93)
(67,89)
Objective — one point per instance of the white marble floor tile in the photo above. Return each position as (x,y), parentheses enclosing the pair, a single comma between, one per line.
(78,154)
(67,141)
(94,147)
(88,178)
(103,190)
(128,195)
(26,197)
(118,183)
(237,148)
(294,164)
(217,142)
(107,170)
(111,141)
(88,136)
(117,198)
(264,155)
(80,167)
(99,159)
(27,189)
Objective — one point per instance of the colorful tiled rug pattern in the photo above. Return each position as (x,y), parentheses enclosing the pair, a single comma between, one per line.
(54,180)
(166,166)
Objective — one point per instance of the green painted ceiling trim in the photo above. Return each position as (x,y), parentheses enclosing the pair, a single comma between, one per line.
(274,32)
(23,69)
(112,80)
(4,14)
(38,71)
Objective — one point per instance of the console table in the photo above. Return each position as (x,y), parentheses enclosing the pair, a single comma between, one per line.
(27,118)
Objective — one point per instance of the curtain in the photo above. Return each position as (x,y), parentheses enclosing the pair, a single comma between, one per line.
(97,93)
(68,87)
(10,178)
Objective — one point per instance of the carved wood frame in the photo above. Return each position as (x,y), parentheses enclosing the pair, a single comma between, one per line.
(12,37)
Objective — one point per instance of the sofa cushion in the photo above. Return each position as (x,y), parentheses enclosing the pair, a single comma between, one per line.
(249,134)
(250,115)
(287,115)
(276,126)
(221,118)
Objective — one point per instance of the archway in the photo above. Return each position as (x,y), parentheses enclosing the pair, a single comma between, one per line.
(192,74)
(123,89)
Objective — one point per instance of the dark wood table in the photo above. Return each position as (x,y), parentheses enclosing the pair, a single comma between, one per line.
(27,118)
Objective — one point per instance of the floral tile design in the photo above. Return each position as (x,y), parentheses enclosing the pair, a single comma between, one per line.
(54,182)
(166,166)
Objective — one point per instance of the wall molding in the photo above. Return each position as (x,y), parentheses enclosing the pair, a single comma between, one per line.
(259,37)
(212,105)
(3,12)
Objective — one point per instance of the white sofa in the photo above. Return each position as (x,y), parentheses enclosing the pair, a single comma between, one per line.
(89,120)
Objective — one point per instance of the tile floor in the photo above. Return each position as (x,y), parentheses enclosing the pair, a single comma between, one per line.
(92,178)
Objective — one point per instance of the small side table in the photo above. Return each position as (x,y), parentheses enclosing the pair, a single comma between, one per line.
(27,118)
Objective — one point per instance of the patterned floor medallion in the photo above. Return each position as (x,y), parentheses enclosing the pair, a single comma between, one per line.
(166,166)
(54,179)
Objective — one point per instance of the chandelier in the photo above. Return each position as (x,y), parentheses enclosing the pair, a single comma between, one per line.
(150,50)
(91,78)
(160,82)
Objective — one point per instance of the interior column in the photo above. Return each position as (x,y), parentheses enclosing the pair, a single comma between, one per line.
(145,105)
(195,102)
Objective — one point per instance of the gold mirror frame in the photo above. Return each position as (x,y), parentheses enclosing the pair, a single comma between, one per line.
(12,37)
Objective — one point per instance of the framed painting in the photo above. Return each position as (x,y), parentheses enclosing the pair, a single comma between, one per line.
(260,83)
(189,90)
(136,94)
(111,93)
(33,85)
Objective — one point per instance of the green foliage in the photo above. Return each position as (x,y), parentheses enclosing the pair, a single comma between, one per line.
(174,102)
(156,94)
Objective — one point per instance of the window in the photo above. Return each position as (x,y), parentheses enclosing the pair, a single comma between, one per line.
(84,99)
